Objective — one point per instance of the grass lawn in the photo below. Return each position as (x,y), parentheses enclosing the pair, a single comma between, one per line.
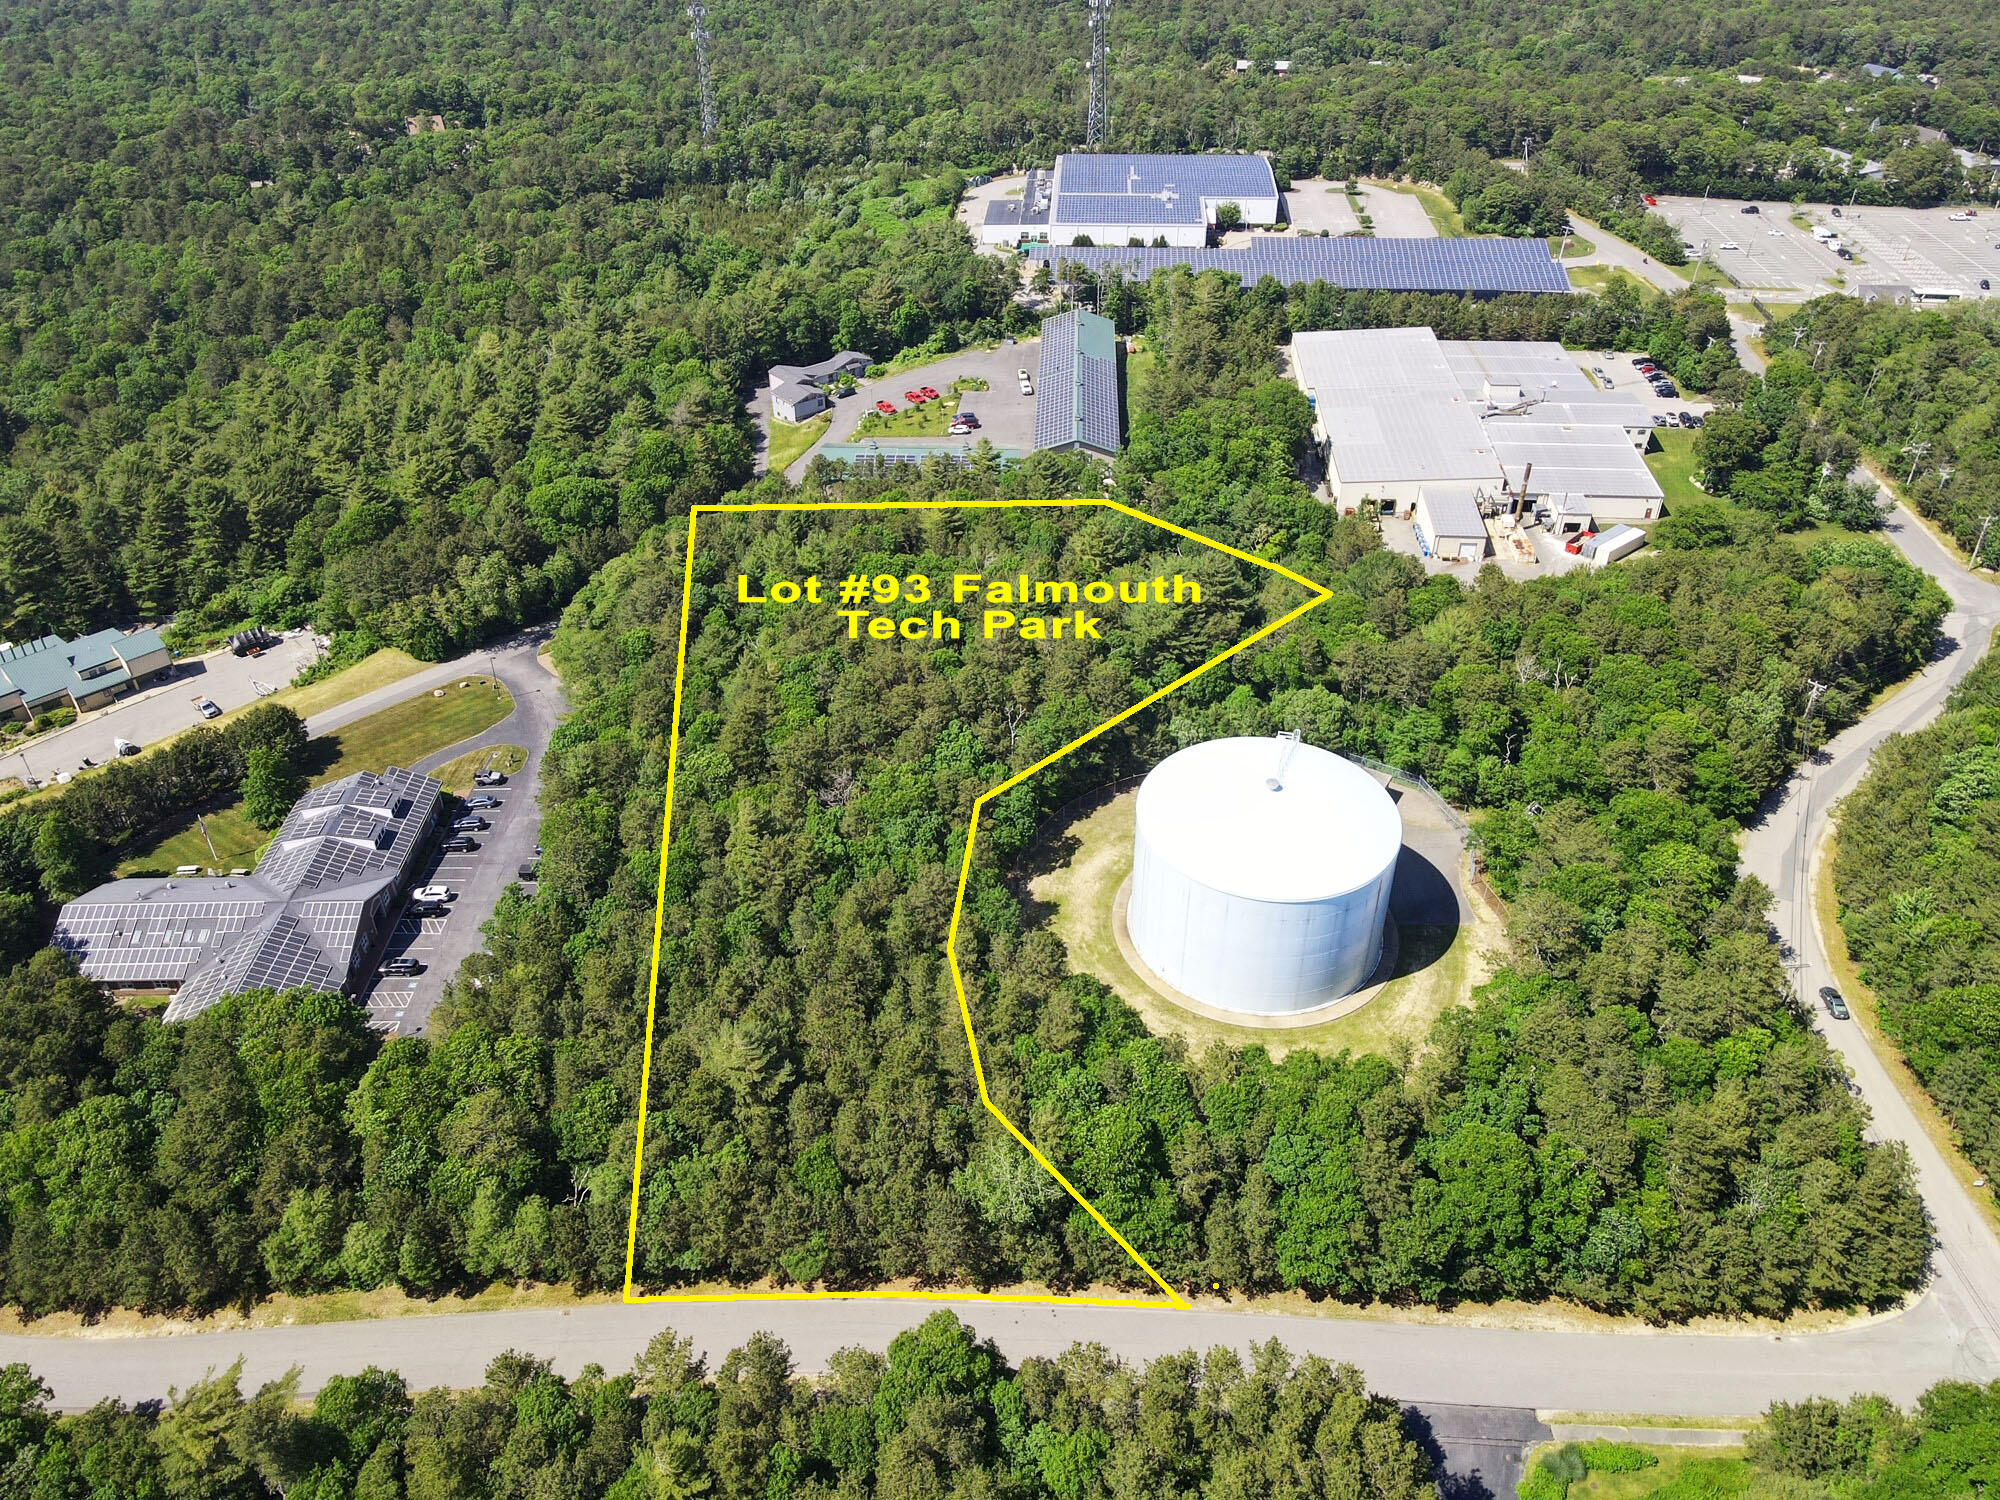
(1675,466)
(1436,967)
(1682,1474)
(1445,219)
(932,419)
(1599,278)
(1708,273)
(885,217)
(1138,368)
(1578,246)
(371,672)
(785,441)
(399,735)
(456,775)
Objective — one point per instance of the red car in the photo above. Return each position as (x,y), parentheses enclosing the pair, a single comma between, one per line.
(886,408)
(1651,201)
(1575,543)
(915,398)
(928,393)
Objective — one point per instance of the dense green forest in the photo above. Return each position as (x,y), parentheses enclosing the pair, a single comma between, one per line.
(1914,391)
(402,319)
(940,1415)
(1634,1114)
(1921,909)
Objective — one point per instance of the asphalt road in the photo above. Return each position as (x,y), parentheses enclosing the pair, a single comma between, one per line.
(1784,851)
(403,1005)
(1948,1332)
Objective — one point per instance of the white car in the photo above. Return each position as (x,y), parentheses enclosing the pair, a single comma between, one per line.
(1027,387)
(1959,218)
(433,893)
(1731,245)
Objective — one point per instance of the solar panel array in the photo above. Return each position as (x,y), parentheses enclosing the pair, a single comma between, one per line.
(1479,266)
(1192,176)
(1076,402)
(304,919)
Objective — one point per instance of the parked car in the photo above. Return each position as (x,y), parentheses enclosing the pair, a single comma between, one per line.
(1835,1006)
(489,778)
(459,844)
(1027,387)
(1651,201)
(125,747)
(474,824)
(480,802)
(1749,208)
(1843,252)
(959,429)
(928,392)
(432,893)
(398,966)
(1660,419)
(1959,218)
(1666,388)
(886,408)
(1985,283)
(1730,245)
(1684,418)
(913,398)
(207,708)
(430,909)
(530,869)
(1836,213)
(1575,543)
(1700,419)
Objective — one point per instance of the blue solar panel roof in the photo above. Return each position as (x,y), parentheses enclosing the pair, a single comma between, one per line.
(1076,400)
(1390,265)
(1135,189)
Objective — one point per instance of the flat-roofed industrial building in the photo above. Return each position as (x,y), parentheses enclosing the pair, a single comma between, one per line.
(1398,409)
(1113,197)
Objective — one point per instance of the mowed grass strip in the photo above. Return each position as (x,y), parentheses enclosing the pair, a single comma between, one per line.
(787,440)
(399,735)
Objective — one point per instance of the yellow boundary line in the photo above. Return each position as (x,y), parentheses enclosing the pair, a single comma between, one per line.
(1172,1298)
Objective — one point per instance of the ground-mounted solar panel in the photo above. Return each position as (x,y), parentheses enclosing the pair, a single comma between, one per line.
(1476,266)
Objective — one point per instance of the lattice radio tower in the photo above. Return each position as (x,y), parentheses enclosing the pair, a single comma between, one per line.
(698,13)
(1097,128)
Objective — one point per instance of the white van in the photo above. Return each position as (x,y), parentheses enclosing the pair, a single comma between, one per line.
(1825,232)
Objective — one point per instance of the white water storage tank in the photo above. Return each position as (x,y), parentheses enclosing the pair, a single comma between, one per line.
(1261,871)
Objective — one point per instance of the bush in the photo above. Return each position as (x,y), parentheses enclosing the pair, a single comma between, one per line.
(1540,1484)
(1566,1463)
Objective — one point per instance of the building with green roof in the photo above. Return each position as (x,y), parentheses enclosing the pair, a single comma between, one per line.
(51,672)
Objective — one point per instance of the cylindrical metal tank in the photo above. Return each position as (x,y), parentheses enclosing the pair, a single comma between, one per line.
(1261,871)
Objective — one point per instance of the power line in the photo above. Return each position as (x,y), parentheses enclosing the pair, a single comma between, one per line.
(704,77)
(1097,126)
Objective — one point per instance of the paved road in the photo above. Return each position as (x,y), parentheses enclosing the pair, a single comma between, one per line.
(1948,1332)
(403,1005)
(158,712)
(1783,850)
(1609,250)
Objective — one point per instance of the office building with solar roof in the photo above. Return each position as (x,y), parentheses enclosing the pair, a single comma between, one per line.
(1114,197)
(1076,398)
(311,915)
(1399,411)
(1474,267)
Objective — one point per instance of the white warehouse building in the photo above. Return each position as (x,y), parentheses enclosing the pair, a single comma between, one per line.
(1114,198)
(1398,411)
(1261,872)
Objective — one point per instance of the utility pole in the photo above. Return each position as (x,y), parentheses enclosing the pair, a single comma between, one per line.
(1097,125)
(1984,522)
(1814,688)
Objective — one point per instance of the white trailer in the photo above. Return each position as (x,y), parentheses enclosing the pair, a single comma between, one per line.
(1609,546)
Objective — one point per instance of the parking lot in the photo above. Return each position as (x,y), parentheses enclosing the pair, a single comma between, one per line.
(1770,252)
(1894,246)
(1007,418)
(1613,370)
(1921,247)
(402,1004)
(1313,204)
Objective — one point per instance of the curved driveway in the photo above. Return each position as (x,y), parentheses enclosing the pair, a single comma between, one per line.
(1948,1332)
